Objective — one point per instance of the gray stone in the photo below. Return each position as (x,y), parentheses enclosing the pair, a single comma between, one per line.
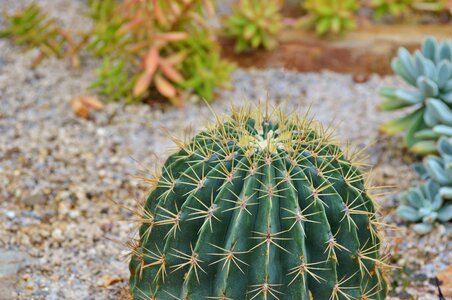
(11,262)
(35,199)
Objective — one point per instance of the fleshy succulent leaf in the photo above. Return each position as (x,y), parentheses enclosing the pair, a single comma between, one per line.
(423,147)
(445,213)
(427,87)
(416,124)
(429,47)
(398,68)
(408,213)
(400,124)
(422,228)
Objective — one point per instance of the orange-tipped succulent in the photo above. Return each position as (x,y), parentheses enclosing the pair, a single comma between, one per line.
(153,38)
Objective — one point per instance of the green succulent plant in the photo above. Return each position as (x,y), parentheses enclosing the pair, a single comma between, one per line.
(113,81)
(105,36)
(438,118)
(395,8)
(424,204)
(254,24)
(258,206)
(430,202)
(32,28)
(167,48)
(439,168)
(429,72)
(432,6)
(331,16)
(203,68)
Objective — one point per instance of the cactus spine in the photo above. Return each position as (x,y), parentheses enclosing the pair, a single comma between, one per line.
(259,206)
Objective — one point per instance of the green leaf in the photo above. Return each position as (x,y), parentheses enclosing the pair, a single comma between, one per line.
(423,228)
(427,87)
(437,112)
(408,213)
(444,51)
(398,68)
(399,124)
(336,24)
(424,147)
(443,73)
(435,168)
(443,130)
(420,169)
(416,124)
(407,62)
(445,213)
(429,47)
(323,25)
(445,147)
(446,193)
(447,97)
(426,134)
(389,104)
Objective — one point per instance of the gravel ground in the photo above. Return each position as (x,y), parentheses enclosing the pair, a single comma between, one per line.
(62,236)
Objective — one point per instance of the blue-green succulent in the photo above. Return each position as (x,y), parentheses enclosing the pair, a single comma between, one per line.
(430,202)
(424,204)
(429,72)
(438,118)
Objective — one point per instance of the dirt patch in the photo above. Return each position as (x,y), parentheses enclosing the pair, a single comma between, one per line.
(368,50)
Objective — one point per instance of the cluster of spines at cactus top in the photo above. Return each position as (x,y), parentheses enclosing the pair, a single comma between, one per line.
(259,206)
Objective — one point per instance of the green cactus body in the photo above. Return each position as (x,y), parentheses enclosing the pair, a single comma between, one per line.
(258,207)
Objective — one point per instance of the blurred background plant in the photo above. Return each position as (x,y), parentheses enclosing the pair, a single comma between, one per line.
(330,16)
(203,67)
(32,28)
(151,49)
(254,24)
(394,8)
(431,202)
(429,72)
(166,48)
(434,6)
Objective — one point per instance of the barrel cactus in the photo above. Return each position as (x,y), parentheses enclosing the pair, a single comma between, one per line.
(429,72)
(259,206)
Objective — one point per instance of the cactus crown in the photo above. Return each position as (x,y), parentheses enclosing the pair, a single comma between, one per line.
(259,206)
